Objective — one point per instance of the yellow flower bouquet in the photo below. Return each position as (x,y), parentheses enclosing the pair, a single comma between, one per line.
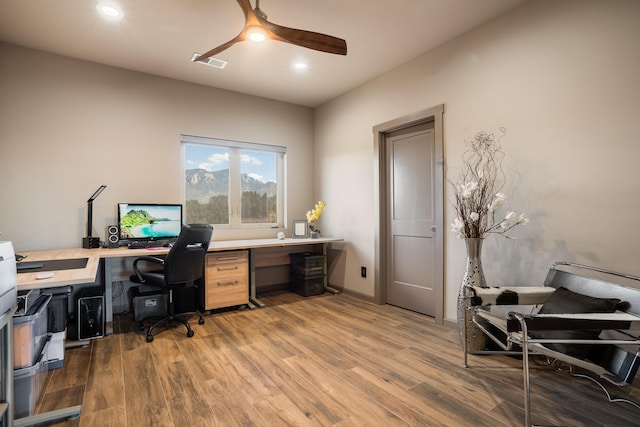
(314,215)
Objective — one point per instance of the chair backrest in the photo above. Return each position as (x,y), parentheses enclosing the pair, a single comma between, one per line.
(185,261)
(596,282)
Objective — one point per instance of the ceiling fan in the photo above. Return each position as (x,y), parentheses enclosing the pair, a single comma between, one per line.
(256,23)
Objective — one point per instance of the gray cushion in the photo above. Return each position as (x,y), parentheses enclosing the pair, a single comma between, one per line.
(565,301)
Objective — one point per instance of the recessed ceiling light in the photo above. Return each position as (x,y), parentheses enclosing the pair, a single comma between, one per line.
(300,66)
(110,11)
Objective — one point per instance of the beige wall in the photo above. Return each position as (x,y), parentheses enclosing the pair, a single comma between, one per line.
(562,78)
(67,126)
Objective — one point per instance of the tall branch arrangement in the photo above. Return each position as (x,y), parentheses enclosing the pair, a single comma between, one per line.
(477,193)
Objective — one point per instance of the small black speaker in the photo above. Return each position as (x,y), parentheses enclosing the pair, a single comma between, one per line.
(113,236)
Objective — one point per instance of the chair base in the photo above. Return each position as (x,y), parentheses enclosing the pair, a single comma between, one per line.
(170,322)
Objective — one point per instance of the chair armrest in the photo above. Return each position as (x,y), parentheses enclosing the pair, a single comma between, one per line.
(571,321)
(151,259)
(510,295)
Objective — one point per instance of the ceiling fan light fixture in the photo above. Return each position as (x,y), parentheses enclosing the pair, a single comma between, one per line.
(256,34)
(256,22)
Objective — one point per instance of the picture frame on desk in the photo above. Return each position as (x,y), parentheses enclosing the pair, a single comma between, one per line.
(300,229)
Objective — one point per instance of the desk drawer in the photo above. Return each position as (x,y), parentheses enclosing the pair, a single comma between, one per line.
(226,258)
(226,281)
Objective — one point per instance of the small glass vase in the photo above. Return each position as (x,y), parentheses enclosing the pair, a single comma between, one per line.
(473,276)
(315,234)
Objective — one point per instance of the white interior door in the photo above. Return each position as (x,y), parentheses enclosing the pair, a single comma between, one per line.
(412,254)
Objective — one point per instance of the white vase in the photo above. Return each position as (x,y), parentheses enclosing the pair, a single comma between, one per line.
(473,276)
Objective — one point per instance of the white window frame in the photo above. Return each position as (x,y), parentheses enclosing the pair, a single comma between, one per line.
(235,185)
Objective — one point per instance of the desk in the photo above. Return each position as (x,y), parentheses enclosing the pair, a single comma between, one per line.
(88,274)
(77,276)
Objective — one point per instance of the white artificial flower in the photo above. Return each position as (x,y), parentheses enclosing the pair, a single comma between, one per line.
(467,189)
(498,201)
(458,227)
(504,225)
(523,219)
(509,216)
(474,216)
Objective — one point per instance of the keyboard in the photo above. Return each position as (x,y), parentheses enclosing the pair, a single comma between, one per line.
(144,244)
(29,265)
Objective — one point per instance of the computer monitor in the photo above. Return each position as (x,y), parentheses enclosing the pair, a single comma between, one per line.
(148,221)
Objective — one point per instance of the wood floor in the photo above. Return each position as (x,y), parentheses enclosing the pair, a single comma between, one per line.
(329,360)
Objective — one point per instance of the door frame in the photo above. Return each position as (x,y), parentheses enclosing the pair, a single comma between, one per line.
(380,132)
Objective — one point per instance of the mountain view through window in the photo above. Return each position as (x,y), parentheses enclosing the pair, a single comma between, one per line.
(232,185)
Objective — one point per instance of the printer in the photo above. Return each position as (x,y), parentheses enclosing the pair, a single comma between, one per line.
(8,277)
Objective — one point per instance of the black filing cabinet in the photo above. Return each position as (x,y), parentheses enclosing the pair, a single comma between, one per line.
(307,273)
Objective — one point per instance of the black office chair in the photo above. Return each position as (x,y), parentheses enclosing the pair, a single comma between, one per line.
(183,265)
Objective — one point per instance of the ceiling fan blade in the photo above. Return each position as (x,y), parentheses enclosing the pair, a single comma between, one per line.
(216,50)
(245,5)
(249,16)
(308,39)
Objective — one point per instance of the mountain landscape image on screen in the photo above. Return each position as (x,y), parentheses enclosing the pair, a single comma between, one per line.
(138,223)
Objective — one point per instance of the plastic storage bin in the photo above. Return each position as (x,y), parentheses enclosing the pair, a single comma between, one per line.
(307,264)
(55,351)
(58,308)
(307,286)
(28,384)
(30,333)
(148,302)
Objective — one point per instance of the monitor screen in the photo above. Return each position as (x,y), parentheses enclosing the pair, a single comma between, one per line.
(145,221)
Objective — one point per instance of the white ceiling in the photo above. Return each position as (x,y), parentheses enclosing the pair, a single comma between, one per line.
(160,37)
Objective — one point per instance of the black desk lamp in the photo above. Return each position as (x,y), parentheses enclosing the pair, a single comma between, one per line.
(91,242)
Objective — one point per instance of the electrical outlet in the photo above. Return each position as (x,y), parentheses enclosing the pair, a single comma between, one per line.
(363,271)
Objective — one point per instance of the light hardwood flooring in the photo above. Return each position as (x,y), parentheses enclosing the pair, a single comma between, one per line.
(328,360)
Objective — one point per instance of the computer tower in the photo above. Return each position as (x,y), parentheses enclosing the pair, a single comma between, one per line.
(185,299)
(90,315)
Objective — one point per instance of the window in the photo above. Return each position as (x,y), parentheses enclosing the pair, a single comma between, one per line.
(234,184)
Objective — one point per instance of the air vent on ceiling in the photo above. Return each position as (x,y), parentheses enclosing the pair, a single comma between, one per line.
(213,62)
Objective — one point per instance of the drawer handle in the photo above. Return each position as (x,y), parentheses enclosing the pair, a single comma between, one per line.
(228,283)
(227,258)
(233,267)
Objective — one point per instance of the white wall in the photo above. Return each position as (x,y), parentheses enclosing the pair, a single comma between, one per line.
(563,78)
(67,126)
(560,75)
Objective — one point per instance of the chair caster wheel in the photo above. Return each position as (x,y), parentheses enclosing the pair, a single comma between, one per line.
(149,338)
(201,321)
(190,334)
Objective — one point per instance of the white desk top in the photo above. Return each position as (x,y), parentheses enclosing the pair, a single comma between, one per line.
(27,280)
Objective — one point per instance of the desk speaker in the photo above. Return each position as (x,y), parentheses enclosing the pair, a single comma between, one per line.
(113,236)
